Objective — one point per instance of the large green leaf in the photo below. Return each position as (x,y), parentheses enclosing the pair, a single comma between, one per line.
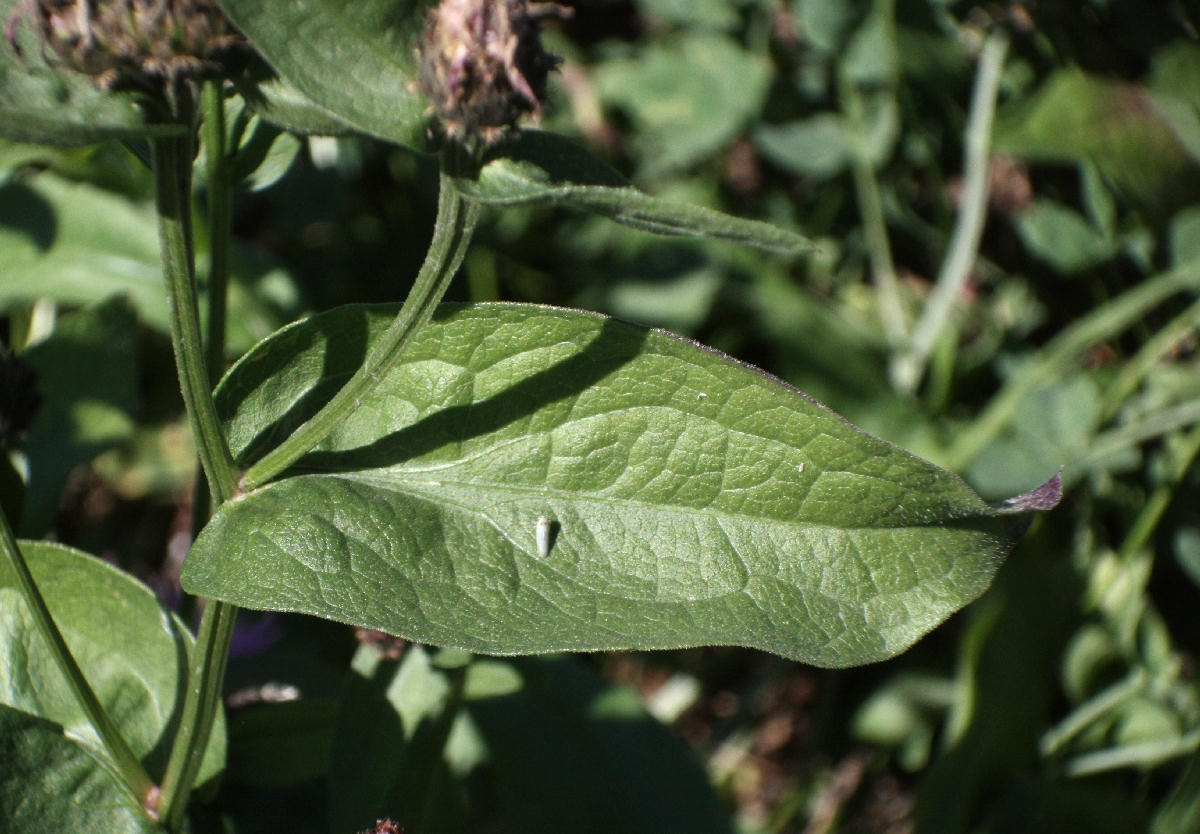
(54,105)
(51,783)
(132,651)
(355,60)
(542,168)
(692,499)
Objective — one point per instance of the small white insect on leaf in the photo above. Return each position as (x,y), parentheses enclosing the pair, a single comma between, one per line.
(542,534)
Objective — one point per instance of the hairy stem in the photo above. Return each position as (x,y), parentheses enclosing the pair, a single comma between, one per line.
(201,701)
(172,170)
(172,174)
(218,166)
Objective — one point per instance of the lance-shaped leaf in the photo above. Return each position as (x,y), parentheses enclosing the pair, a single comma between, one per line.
(52,105)
(542,168)
(355,60)
(690,499)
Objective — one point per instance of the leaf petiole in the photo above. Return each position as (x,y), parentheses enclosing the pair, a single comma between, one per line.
(451,235)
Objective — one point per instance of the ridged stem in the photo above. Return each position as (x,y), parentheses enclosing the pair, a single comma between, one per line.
(172,174)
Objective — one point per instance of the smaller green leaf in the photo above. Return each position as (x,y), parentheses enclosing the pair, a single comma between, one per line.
(904,714)
(871,56)
(1055,426)
(51,783)
(684,117)
(815,147)
(357,61)
(535,736)
(264,155)
(281,104)
(1185,235)
(129,648)
(387,752)
(1174,86)
(1062,237)
(76,243)
(1116,126)
(713,14)
(51,105)
(1145,720)
(824,24)
(543,168)
(79,244)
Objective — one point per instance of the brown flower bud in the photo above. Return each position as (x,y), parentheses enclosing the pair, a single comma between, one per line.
(482,65)
(133,43)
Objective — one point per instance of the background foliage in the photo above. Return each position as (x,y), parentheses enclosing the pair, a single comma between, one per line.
(1063,700)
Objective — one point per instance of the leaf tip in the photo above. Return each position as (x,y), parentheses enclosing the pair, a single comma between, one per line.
(1039,499)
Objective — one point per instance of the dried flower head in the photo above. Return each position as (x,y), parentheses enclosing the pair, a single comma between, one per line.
(482,64)
(132,43)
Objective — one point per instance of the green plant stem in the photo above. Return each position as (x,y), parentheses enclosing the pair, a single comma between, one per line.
(1062,353)
(1151,353)
(1147,755)
(1117,440)
(172,175)
(172,170)
(451,235)
(1091,710)
(200,706)
(870,206)
(219,169)
(218,166)
(127,764)
(908,368)
(1152,511)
